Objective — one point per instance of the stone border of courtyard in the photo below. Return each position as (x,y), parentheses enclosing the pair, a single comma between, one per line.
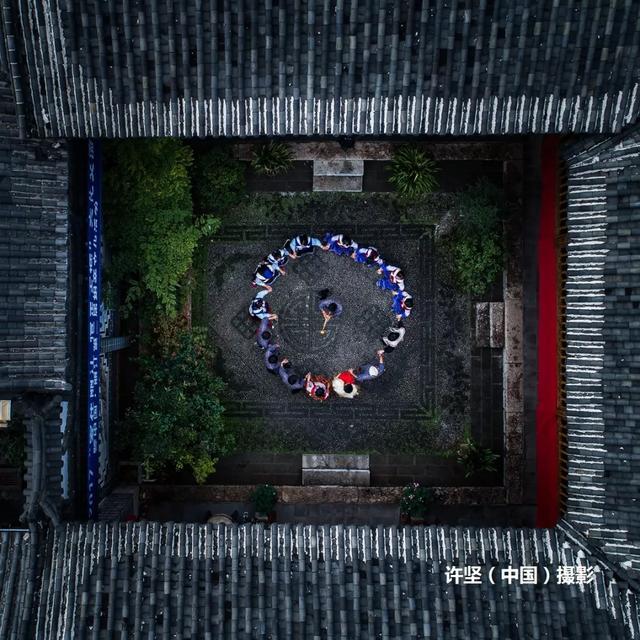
(513,423)
(289,494)
(510,492)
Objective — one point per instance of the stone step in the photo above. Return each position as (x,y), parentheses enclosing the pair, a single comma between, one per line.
(334,461)
(337,183)
(489,329)
(338,167)
(496,325)
(336,477)
(482,324)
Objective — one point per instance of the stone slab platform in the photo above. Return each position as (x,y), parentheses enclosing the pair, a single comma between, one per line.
(334,461)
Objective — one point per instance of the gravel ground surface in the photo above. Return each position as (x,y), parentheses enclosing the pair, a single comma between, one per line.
(421,402)
(353,337)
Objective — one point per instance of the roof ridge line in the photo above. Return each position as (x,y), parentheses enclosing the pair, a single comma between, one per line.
(578,538)
(575,152)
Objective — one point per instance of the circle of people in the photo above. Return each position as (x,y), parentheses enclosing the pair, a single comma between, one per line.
(346,383)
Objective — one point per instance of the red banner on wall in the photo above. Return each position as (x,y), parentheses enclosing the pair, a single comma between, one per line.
(547,449)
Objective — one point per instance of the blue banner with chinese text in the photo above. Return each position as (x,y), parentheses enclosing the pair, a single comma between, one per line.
(94,229)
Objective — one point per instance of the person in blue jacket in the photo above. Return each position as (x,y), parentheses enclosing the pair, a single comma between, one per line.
(278,259)
(392,278)
(259,308)
(270,268)
(341,244)
(402,304)
(370,371)
(264,333)
(265,275)
(290,377)
(368,256)
(329,307)
(272,358)
(301,245)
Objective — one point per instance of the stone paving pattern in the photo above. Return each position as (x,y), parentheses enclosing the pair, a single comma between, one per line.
(404,391)
(486,396)
(467,381)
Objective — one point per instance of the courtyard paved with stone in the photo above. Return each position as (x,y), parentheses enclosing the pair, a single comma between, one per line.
(405,390)
(436,384)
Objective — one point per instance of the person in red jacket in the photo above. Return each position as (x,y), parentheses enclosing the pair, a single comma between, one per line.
(317,387)
(344,385)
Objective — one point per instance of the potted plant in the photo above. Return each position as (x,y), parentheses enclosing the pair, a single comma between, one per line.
(415,501)
(264,500)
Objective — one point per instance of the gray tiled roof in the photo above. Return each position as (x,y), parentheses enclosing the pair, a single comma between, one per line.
(19,572)
(34,260)
(603,344)
(333,68)
(188,580)
(44,452)
(34,277)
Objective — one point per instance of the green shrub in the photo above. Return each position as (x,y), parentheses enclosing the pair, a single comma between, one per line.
(415,500)
(149,220)
(477,243)
(477,262)
(176,416)
(165,255)
(480,207)
(218,182)
(412,172)
(149,173)
(473,457)
(272,158)
(264,498)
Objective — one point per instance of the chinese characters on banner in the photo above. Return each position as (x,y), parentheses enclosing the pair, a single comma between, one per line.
(564,574)
(94,198)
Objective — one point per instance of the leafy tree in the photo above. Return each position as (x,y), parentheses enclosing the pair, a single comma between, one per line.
(149,220)
(218,181)
(416,500)
(264,498)
(480,207)
(176,417)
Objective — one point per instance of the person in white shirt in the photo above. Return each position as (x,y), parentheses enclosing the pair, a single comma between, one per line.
(393,337)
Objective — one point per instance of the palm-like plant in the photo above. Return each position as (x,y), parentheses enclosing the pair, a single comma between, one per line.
(412,172)
(475,458)
(272,158)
